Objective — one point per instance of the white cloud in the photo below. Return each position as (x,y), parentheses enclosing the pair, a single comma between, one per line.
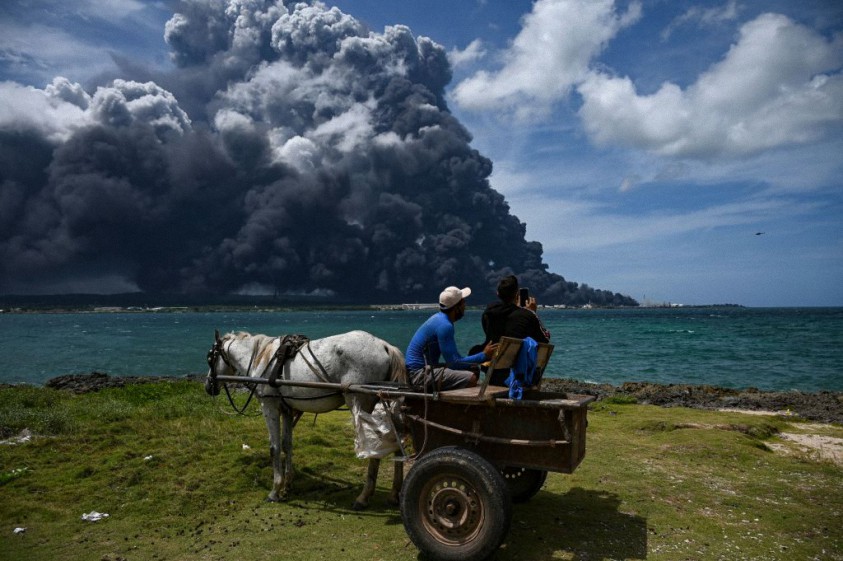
(349,130)
(551,54)
(780,84)
(38,53)
(111,10)
(25,107)
(65,90)
(703,16)
(301,153)
(473,52)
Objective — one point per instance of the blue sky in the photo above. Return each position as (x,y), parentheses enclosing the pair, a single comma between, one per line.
(645,144)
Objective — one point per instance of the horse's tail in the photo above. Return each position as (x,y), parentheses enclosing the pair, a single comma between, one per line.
(397,366)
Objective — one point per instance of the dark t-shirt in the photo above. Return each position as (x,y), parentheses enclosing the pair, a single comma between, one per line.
(508,320)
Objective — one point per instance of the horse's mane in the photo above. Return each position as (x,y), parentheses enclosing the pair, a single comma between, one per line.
(260,345)
(257,339)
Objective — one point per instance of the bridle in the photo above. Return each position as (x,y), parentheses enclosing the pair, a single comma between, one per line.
(215,353)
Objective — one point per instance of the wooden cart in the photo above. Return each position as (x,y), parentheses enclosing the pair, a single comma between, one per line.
(477,451)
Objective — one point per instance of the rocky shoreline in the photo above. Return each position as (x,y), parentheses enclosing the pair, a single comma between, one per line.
(825,406)
(96,381)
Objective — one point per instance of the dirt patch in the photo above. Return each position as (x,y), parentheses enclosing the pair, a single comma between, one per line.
(818,446)
(823,407)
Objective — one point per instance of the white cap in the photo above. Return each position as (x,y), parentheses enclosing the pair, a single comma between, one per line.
(452,296)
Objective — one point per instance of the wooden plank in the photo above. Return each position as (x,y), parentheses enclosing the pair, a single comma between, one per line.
(473,395)
(469,436)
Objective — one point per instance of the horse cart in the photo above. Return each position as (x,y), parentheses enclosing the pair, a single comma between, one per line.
(473,452)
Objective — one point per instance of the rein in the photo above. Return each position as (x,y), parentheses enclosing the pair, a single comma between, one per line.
(239,410)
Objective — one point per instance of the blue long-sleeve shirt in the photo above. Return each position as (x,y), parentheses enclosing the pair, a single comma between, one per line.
(435,338)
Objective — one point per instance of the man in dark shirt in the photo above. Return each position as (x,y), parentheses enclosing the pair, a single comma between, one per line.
(507,319)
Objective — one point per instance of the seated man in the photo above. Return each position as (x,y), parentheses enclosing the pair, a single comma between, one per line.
(435,338)
(507,319)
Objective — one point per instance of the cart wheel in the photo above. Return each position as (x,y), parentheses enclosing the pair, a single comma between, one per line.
(455,506)
(523,483)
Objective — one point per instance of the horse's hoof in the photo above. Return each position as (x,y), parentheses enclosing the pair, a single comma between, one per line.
(271,499)
(358,506)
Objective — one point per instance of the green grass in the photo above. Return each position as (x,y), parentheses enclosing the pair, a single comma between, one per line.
(168,465)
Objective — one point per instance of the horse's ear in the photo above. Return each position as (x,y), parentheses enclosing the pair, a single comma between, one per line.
(217,335)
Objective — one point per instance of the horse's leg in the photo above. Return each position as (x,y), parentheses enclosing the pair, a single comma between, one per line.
(287,448)
(364,403)
(362,501)
(271,414)
(397,479)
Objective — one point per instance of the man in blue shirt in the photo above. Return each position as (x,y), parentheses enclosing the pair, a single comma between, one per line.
(435,339)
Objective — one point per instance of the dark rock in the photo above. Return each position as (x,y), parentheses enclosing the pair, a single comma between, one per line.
(825,406)
(96,381)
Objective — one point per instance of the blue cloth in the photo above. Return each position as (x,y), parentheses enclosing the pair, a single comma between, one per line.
(523,372)
(435,339)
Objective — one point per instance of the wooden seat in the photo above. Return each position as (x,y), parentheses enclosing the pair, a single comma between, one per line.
(473,395)
(504,358)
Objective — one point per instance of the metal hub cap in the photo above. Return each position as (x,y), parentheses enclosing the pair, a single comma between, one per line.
(454,514)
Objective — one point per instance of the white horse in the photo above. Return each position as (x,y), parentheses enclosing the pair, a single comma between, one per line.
(356,357)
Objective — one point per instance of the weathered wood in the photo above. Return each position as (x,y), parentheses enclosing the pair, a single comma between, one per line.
(469,436)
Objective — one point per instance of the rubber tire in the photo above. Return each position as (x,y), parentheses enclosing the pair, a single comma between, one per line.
(523,483)
(455,505)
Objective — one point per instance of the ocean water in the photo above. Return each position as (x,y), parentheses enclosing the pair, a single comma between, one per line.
(770,349)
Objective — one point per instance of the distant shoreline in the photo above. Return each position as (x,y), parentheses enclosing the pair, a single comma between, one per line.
(143,302)
(304,307)
(163,303)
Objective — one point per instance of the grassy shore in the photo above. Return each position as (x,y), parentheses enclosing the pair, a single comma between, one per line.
(182,478)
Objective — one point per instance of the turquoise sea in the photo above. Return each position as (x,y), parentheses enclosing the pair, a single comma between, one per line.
(770,349)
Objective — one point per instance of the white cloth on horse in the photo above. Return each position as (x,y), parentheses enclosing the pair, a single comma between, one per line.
(374,436)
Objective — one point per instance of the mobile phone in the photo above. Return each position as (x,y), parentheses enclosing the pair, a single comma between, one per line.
(523,296)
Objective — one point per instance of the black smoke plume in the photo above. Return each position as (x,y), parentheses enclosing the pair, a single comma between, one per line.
(292,151)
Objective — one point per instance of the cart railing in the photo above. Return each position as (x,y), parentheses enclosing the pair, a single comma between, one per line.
(393,390)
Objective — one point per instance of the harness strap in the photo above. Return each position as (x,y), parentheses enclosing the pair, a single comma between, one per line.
(287,349)
(321,374)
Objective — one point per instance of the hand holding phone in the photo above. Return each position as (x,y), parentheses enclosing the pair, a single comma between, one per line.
(523,296)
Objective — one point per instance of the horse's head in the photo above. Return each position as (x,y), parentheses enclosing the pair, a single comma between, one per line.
(218,364)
